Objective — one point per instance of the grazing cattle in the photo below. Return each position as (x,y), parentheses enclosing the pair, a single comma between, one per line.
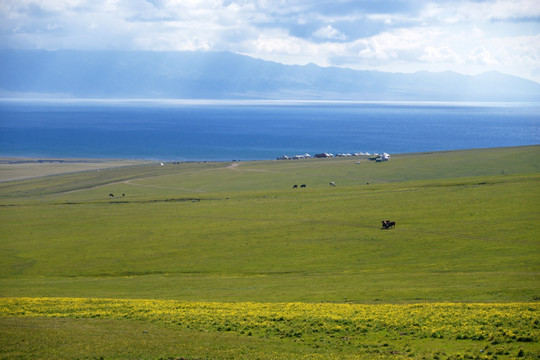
(111,195)
(303,185)
(332,184)
(387,224)
(123,194)
(295,187)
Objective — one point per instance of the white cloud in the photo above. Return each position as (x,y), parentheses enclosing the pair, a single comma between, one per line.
(443,54)
(398,44)
(464,35)
(479,11)
(482,56)
(278,45)
(328,32)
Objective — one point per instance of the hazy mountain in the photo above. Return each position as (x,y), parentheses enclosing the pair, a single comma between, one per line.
(222,75)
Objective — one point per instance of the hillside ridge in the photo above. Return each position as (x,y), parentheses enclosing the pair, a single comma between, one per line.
(224,75)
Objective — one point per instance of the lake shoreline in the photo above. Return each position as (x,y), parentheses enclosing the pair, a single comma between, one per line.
(68,160)
(26,168)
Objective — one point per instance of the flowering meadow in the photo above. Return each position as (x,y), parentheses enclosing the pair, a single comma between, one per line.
(316,324)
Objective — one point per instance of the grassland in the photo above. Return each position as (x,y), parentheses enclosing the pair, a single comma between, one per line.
(228,233)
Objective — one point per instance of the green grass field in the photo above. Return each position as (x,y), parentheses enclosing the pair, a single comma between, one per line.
(467,231)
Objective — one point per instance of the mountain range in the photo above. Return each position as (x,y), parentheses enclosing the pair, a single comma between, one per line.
(225,75)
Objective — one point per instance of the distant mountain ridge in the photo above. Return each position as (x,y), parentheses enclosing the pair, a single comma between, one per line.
(224,75)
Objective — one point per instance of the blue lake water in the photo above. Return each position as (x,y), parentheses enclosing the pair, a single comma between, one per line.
(184,131)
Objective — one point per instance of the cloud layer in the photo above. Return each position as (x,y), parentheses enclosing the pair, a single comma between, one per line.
(467,36)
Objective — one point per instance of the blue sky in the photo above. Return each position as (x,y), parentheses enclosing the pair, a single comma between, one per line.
(469,36)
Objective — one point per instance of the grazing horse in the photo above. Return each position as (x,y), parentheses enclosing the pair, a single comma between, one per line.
(111,195)
(295,187)
(387,224)
(303,185)
(332,184)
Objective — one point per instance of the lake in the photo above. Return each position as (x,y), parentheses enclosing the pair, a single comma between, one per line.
(255,130)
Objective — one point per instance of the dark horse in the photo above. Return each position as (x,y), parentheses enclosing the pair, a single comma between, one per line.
(387,224)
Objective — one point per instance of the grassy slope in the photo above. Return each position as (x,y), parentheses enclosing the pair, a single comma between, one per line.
(466,231)
(69,338)
(68,328)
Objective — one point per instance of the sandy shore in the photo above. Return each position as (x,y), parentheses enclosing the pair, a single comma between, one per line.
(25,168)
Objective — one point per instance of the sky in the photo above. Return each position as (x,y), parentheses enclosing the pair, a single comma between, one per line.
(469,36)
